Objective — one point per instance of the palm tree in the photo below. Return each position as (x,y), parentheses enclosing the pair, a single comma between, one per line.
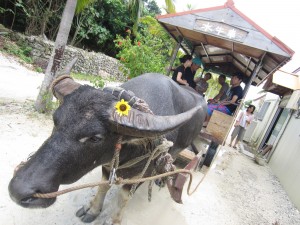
(189,7)
(136,7)
(170,7)
(44,98)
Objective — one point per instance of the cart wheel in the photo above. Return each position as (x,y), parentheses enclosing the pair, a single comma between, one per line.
(211,151)
(201,161)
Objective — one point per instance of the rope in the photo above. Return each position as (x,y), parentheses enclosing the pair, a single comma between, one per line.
(119,181)
(164,147)
(115,161)
(141,158)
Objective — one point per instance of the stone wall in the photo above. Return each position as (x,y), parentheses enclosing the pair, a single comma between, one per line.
(88,62)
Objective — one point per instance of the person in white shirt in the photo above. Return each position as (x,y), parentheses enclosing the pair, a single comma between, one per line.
(243,121)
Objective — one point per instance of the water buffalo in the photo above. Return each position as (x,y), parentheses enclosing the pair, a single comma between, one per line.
(87,126)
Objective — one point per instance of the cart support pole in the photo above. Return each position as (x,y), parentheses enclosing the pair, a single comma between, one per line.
(173,57)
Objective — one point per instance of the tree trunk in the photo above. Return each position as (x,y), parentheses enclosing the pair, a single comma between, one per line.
(73,41)
(14,16)
(44,99)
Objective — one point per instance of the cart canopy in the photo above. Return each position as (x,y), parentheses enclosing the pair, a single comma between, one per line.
(227,41)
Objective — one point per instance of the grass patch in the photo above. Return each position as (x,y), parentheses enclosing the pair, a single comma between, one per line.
(82,76)
(97,82)
(19,49)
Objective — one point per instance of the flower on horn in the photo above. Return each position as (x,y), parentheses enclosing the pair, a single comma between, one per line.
(122,108)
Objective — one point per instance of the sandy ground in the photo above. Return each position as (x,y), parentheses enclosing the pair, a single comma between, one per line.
(236,190)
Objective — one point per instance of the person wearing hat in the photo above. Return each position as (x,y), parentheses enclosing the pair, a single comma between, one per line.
(191,71)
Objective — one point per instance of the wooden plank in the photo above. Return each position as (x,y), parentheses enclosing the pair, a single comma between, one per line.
(207,136)
(218,126)
(176,187)
(186,155)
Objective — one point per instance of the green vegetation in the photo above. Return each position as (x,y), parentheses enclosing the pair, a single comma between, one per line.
(214,86)
(82,76)
(147,52)
(19,49)
(96,81)
(51,105)
(98,26)
(94,26)
(102,26)
(39,69)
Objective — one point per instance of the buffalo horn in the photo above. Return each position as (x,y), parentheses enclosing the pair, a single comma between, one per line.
(140,124)
(64,84)
(68,68)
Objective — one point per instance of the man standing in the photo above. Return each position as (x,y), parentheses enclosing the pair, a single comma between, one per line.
(229,105)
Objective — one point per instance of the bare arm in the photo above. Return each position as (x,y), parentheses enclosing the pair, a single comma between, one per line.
(229,102)
(180,80)
(201,89)
(237,122)
(249,120)
(221,92)
(197,79)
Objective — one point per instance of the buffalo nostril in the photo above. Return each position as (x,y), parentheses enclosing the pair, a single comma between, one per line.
(27,200)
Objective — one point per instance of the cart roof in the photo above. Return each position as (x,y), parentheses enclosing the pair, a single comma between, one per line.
(227,41)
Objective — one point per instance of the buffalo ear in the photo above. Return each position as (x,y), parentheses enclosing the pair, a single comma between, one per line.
(64,84)
(141,124)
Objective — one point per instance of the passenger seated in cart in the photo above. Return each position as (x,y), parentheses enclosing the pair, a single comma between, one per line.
(202,84)
(222,95)
(229,105)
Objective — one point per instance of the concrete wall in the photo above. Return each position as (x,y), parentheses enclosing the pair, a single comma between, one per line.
(285,161)
(263,125)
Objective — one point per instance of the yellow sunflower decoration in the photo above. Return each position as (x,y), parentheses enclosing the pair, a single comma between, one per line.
(122,108)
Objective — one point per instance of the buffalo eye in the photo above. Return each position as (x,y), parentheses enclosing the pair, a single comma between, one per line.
(93,139)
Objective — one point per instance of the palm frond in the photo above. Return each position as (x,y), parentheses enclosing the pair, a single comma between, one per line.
(135,7)
(170,7)
(81,4)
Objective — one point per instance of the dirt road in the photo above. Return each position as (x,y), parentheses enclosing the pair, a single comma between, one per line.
(236,191)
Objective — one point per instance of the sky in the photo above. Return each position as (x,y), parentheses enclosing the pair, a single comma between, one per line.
(279,18)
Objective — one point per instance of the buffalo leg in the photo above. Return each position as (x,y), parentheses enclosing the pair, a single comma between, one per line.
(89,212)
(113,212)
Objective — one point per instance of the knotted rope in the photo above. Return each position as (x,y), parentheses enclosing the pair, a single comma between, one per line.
(164,147)
(119,181)
(115,161)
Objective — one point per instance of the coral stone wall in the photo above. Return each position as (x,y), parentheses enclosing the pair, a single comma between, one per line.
(93,63)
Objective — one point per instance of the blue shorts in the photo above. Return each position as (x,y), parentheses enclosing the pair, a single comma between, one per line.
(221,108)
